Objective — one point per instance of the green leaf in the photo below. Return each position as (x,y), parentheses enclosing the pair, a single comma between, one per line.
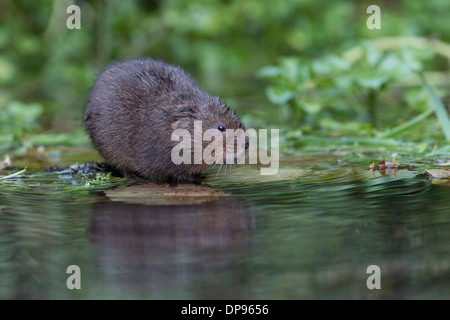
(372,54)
(330,64)
(279,95)
(439,109)
(374,82)
(291,69)
(269,72)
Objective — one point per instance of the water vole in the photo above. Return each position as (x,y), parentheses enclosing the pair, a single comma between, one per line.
(133,108)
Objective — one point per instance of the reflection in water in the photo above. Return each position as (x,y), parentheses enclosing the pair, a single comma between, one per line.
(159,247)
(327,235)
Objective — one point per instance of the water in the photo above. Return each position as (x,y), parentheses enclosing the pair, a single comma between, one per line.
(310,235)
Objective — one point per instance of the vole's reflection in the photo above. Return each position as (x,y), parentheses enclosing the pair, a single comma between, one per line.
(159,247)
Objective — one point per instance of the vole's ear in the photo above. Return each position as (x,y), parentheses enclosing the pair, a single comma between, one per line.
(182,116)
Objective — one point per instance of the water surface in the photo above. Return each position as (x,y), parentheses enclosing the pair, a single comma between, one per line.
(309,233)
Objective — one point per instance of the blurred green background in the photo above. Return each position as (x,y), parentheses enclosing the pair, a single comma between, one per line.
(304,66)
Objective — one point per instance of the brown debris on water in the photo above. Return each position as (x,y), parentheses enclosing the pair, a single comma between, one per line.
(164,194)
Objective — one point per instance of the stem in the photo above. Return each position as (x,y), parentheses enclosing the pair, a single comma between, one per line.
(295,113)
(372,102)
(407,125)
(14,174)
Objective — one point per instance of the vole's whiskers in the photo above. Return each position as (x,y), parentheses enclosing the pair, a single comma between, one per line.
(219,170)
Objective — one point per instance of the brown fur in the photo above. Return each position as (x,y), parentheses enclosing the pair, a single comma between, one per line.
(133,108)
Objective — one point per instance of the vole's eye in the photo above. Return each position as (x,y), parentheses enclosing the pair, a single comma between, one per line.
(221,128)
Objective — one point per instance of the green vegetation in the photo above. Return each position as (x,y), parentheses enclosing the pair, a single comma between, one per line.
(311,68)
(345,95)
(79,178)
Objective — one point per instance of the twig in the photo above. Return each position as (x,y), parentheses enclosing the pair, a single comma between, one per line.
(14,174)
